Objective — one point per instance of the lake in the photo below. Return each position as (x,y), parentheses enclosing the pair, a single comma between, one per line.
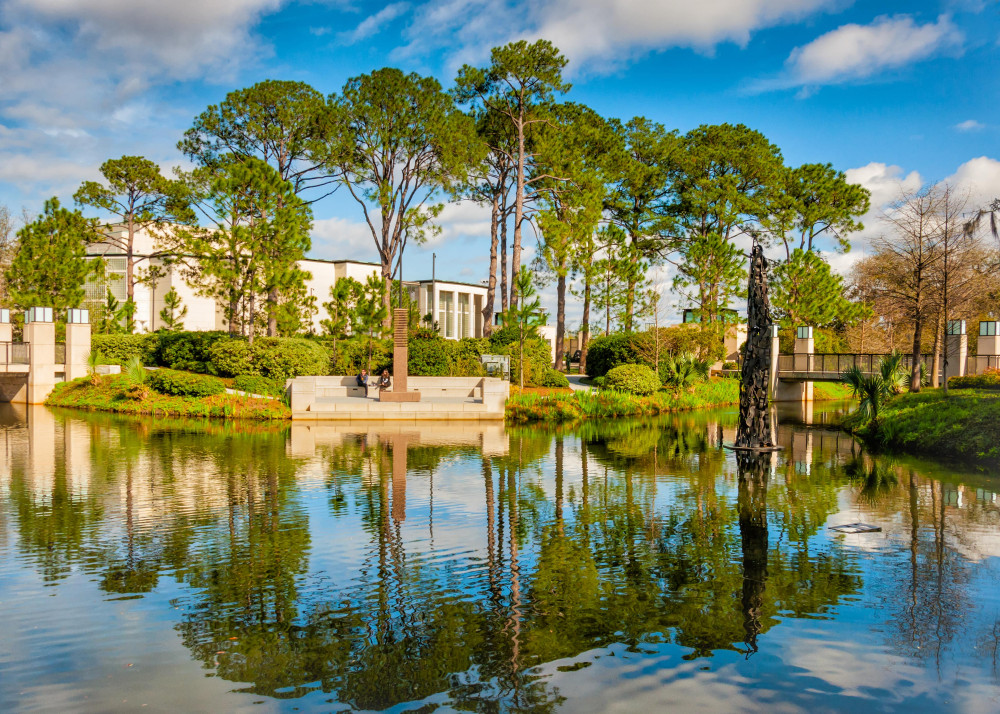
(625,566)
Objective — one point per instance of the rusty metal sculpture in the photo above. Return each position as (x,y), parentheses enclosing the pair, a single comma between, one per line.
(755,431)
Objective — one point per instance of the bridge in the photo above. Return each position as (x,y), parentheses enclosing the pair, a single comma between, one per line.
(793,375)
(31,368)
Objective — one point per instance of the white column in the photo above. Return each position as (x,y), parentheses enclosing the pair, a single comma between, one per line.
(956,349)
(41,353)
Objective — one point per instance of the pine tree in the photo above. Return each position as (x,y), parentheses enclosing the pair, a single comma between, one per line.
(50,265)
(172,315)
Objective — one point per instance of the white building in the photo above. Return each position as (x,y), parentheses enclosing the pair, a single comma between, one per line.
(457,306)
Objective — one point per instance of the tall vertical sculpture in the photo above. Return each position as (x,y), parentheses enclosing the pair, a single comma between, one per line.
(754,430)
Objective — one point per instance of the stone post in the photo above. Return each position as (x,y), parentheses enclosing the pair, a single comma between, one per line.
(803,358)
(772,387)
(77,343)
(400,360)
(988,349)
(40,333)
(6,329)
(956,349)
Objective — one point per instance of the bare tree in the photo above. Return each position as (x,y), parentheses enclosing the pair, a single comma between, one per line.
(8,246)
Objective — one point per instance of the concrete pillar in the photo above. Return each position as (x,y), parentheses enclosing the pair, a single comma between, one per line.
(6,329)
(77,343)
(956,349)
(40,333)
(988,349)
(772,390)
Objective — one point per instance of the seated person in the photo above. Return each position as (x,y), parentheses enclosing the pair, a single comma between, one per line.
(384,382)
(363,380)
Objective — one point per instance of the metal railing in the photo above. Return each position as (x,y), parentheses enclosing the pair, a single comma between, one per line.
(14,352)
(837,363)
(977,364)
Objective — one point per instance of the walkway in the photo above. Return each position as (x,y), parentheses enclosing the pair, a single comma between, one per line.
(577,385)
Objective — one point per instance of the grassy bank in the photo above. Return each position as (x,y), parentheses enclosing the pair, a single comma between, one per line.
(117,394)
(965,425)
(566,406)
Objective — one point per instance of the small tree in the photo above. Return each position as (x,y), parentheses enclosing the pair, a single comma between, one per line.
(526,316)
(50,265)
(173,313)
(372,313)
(341,310)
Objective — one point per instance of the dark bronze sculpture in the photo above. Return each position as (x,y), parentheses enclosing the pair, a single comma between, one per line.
(754,430)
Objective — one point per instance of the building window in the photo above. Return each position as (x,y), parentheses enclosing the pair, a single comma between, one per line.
(463,315)
(987,329)
(113,279)
(446,320)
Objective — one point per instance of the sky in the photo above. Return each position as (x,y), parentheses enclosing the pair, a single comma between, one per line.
(896,94)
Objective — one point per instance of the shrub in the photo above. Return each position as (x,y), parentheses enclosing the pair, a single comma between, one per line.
(537,359)
(255,384)
(190,351)
(990,379)
(553,378)
(682,370)
(232,358)
(284,357)
(633,378)
(119,349)
(429,355)
(184,384)
(502,337)
(607,352)
(352,355)
(598,382)
(466,354)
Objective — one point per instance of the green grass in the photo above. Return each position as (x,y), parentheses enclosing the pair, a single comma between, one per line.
(964,425)
(606,404)
(116,393)
(830,391)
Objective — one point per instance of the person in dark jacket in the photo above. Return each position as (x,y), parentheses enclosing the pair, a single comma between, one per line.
(363,380)
(384,382)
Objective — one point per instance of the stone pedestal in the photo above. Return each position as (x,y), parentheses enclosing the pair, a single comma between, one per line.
(6,332)
(802,361)
(956,350)
(772,390)
(41,360)
(988,348)
(77,350)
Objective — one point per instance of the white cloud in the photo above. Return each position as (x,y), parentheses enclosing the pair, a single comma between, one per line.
(854,51)
(598,32)
(373,24)
(970,125)
(980,177)
(342,239)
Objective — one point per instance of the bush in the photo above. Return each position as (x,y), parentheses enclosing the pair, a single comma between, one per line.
(599,382)
(503,337)
(607,352)
(120,349)
(190,351)
(553,378)
(990,379)
(466,354)
(184,384)
(255,384)
(430,355)
(537,359)
(232,358)
(352,355)
(682,370)
(635,379)
(283,357)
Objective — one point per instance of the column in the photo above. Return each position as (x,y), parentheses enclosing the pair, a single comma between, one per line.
(6,329)
(775,352)
(40,333)
(77,343)
(802,361)
(988,348)
(956,349)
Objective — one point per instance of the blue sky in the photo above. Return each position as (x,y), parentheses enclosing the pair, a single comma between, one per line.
(896,93)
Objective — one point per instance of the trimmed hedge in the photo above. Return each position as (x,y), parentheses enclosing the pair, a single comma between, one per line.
(184,384)
(255,384)
(607,352)
(191,351)
(635,379)
(554,378)
(990,379)
(284,357)
(121,349)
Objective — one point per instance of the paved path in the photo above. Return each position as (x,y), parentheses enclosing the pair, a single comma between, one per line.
(576,385)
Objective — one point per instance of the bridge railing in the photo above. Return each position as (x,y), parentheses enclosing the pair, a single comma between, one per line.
(836,363)
(977,364)
(14,352)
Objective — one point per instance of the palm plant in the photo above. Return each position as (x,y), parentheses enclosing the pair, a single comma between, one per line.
(94,358)
(135,371)
(868,389)
(682,370)
(894,375)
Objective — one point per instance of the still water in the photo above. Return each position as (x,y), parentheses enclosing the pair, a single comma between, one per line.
(616,567)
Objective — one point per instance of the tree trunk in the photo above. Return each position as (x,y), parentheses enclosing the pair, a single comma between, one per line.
(491,287)
(515,264)
(251,316)
(130,274)
(386,293)
(936,368)
(504,283)
(560,322)
(272,312)
(585,327)
(918,333)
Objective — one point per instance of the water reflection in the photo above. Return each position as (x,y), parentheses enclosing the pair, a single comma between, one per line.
(366,567)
